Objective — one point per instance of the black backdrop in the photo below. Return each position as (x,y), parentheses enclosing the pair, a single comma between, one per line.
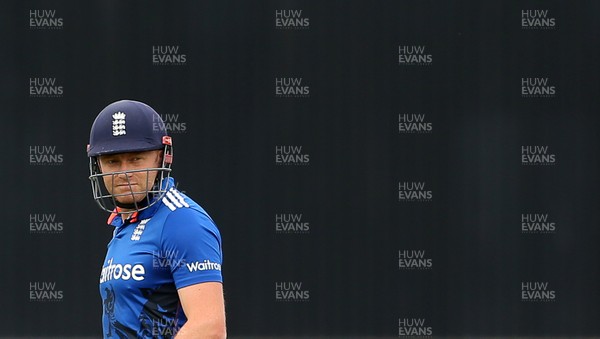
(345,257)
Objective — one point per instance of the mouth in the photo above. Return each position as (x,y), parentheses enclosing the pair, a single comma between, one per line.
(126,184)
(126,187)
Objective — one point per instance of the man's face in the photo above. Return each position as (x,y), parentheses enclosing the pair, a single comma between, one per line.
(121,185)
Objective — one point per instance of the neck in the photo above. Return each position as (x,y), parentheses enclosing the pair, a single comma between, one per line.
(126,207)
(126,215)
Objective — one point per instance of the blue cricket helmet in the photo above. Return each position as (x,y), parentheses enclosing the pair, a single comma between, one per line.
(126,126)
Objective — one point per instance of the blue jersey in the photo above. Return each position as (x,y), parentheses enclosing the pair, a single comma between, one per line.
(172,244)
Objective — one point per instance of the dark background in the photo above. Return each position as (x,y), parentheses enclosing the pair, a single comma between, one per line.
(349,191)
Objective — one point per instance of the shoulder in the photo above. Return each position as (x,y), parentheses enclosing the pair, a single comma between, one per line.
(185,215)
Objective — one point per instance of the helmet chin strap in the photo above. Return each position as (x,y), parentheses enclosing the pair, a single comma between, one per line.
(133,206)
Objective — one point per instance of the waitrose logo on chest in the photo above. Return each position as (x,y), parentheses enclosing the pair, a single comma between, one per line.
(113,271)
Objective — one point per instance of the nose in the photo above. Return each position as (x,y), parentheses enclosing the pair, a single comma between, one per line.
(123,168)
(124,175)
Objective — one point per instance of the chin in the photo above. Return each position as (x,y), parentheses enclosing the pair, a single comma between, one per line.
(130,200)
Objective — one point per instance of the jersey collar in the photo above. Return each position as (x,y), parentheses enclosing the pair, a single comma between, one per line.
(116,219)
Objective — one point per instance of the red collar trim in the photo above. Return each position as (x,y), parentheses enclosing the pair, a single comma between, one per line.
(111,217)
(132,218)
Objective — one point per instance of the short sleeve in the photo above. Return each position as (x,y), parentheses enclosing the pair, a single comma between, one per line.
(194,243)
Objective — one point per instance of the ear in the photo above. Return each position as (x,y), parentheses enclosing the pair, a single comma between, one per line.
(98,163)
(159,157)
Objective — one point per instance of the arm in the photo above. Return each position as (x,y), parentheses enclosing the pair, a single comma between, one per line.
(204,308)
(195,239)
